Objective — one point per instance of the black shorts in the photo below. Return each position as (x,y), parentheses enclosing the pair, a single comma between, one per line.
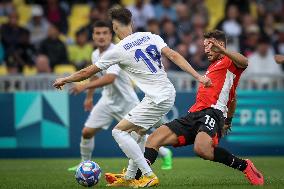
(208,120)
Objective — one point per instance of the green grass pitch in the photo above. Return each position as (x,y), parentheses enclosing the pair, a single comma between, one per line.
(187,173)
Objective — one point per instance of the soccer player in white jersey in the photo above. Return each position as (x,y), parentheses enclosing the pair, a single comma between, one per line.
(118,97)
(138,54)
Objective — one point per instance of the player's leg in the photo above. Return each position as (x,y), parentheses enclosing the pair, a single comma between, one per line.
(205,146)
(179,132)
(165,153)
(122,135)
(160,137)
(163,136)
(132,168)
(167,157)
(87,143)
(140,119)
(99,118)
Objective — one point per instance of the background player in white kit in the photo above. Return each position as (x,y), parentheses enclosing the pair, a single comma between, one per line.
(139,54)
(118,96)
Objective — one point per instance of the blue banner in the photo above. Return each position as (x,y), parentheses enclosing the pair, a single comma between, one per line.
(49,124)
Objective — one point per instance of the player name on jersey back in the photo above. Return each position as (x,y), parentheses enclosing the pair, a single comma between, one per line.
(137,42)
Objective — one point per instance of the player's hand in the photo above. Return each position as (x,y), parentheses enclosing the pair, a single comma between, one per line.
(279,59)
(76,89)
(206,81)
(59,83)
(216,47)
(88,104)
(226,129)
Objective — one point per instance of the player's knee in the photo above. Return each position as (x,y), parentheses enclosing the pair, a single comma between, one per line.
(154,140)
(151,142)
(87,133)
(203,151)
(115,132)
(199,150)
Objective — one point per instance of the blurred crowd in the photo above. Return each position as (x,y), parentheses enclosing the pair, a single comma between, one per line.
(253,27)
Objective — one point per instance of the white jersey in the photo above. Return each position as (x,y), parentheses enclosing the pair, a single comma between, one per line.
(120,93)
(139,54)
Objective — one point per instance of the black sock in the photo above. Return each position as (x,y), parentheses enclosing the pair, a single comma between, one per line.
(223,156)
(150,155)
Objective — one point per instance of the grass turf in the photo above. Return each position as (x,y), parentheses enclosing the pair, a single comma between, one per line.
(187,173)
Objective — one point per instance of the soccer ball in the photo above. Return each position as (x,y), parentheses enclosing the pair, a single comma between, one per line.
(88,173)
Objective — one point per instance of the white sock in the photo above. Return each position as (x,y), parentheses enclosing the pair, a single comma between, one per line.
(141,140)
(163,151)
(132,150)
(131,170)
(86,148)
(132,167)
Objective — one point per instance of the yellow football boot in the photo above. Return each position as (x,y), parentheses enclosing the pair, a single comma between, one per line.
(148,181)
(112,177)
(122,182)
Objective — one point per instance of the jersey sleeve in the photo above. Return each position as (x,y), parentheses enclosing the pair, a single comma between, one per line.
(228,62)
(160,43)
(108,59)
(95,57)
(231,65)
(114,69)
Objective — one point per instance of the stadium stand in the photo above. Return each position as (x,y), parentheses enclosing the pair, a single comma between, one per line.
(64,69)
(255,19)
(3,70)
(29,70)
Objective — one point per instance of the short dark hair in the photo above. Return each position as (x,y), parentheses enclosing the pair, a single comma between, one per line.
(216,34)
(81,31)
(101,23)
(153,21)
(122,15)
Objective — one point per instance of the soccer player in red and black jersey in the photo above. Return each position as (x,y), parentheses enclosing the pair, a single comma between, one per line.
(211,114)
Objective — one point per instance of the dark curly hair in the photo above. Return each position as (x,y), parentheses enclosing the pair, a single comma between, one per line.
(216,34)
(122,15)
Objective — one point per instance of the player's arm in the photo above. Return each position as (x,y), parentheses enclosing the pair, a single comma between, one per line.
(101,82)
(90,92)
(77,76)
(108,59)
(228,120)
(231,110)
(88,102)
(176,58)
(238,59)
(107,79)
(279,59)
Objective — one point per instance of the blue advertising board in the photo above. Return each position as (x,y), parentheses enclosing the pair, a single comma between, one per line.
(48,124)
